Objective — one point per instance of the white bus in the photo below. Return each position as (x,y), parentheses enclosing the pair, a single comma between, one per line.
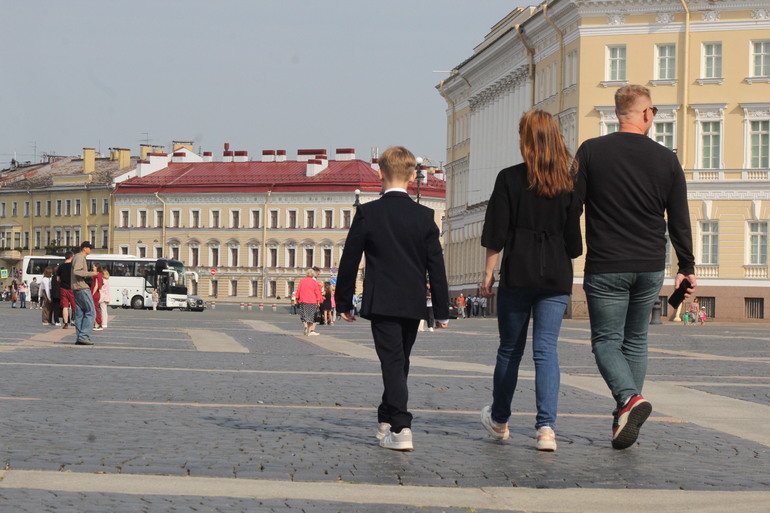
(131,279)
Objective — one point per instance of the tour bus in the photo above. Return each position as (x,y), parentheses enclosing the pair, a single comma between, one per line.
(131,279)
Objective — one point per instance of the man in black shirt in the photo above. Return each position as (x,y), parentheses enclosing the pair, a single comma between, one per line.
(67,299)
(630,186)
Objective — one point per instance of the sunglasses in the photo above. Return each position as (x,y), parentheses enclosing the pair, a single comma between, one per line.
(654,110)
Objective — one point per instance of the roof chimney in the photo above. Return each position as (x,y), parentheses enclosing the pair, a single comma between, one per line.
(268,155)
(305,155)
(315,166)
(144,149)
(89,160)
(280,155)
(227,156)
(240,156)
(375,164)
(123,157)
(345,154)
(208,156)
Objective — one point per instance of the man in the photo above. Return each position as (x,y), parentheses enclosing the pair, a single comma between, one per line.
(85,311)
(629,185)
(67,299)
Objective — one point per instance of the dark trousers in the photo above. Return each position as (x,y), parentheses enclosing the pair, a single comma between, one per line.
(393,341)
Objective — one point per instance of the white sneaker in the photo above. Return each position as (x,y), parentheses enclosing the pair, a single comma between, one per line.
(312,333)
(398,441)
(382,430)
(546,439)
(430,329)
(497,430)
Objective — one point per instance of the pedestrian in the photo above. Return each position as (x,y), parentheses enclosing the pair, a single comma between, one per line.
(308,298)
(14,293)
(326,304)
(56,311)
(23,294)
(469,307)
(476,305)
(85,312)
(400,241)
(702,315)
(461,306)
(34,293)
(96,294)
(126,300)
(483,305)
(155,299)
(105,298)
(534,217)
(632,188)
(293,308)
(64,276)
(45,287)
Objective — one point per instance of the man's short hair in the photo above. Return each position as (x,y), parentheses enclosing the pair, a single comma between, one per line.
(397,163)
(68,254)
(626,97)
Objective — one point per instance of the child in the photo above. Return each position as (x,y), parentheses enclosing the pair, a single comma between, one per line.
(702,315)
(401,242)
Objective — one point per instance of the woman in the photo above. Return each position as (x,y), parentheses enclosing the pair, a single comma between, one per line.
(308,299)
(96,286)
(104,298)
(23,295)
(326,304)
(45,295)
(14,293)
(56,310)
(534,216)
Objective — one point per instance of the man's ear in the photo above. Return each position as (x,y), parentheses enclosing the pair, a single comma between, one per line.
(413,177)
(379,174)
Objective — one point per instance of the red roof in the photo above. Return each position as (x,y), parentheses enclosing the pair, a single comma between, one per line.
(254,176)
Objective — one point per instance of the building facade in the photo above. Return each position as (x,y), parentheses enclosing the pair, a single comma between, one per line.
(250,229)
(707,65)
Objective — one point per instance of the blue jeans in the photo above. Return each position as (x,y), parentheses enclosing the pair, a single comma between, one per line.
(85,314)
(619,307)
(514,306)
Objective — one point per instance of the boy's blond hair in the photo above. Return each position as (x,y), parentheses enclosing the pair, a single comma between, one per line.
(397,163)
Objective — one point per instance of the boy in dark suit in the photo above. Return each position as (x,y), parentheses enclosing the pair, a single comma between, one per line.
(401,242)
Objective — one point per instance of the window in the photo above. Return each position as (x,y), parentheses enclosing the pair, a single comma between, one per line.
(664,134)
(760,53)
(76,236)
(310,219)
(214,288)
(666,61)
(328,219)
(175,252)
(92,233)
(38,238)
(77,207)
(142,251)
(291,257)
(290,288)
(711,142)
(195,221)
(194,257)
(2,209)
(616,63)
(215,218)
(254,288)
(124,250)
(235,218)
(570,69)
(709,242)
(758,243)
(272,288)
(214,256)
(124,218)
(308,257)
(142,219)
(346,219)
(67,237)
(712,60)
(254,256)
(755,307)
(158,251)
(48,208)
(26,209)
(38,208)
(106,206)
(273,257)
(273,219)
(292,219)
(760,144)
(234,257)
(255,218)
(611,128)
(58,207)
(233,287)
(327,258)
(175,218)
(14,209)
(92,210)
(67,207)
(159,218)
(710,303)
(194,288)
(105,237)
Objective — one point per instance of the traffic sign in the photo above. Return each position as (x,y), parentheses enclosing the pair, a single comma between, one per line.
(213,272)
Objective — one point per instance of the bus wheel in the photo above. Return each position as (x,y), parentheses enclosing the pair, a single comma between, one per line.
(137,303)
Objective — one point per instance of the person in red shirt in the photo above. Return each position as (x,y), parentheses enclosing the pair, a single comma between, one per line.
(308,299)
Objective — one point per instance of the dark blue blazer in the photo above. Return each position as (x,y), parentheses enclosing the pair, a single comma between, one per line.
(400,241)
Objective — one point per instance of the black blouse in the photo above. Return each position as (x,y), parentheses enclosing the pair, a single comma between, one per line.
(539,235)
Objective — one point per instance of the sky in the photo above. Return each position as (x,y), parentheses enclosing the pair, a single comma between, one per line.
(279,74)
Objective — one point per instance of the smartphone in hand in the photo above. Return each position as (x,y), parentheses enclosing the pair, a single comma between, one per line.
(678,296)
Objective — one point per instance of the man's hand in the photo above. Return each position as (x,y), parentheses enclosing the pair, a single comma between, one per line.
(691,278)
(347,316)
(441,324)
(485,289)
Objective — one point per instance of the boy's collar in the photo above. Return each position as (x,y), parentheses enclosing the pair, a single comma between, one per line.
(395,189)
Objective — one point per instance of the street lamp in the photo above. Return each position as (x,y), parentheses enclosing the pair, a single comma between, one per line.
(420,176)
(357,203)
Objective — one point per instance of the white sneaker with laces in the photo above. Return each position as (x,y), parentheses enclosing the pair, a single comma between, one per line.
(546,439)
(382,430)
(496,429)
(398,441)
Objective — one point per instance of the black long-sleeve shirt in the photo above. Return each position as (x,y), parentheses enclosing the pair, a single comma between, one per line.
(630,185)
(539,235)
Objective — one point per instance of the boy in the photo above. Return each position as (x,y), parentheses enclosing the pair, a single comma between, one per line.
(401,243)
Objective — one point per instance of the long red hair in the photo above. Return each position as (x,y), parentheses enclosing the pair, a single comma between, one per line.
(550,167)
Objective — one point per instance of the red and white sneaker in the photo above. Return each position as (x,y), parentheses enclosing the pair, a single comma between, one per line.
(628,420)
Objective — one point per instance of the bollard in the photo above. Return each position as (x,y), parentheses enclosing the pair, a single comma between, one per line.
(249,306)
(213,305)
(275,307)
(243,305)
(656,313)
(261,307)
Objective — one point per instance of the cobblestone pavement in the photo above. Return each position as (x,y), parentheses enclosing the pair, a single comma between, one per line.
(155,397)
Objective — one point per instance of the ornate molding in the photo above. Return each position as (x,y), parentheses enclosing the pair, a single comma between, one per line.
(756,111)
(664,18)
(759,14)
(710,15)
(506,84)
(616,19)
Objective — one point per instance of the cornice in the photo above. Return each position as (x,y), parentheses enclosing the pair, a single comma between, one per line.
(506,84)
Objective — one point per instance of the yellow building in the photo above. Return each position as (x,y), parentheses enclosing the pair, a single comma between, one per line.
(250,229)
(707,65)
(51,207)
